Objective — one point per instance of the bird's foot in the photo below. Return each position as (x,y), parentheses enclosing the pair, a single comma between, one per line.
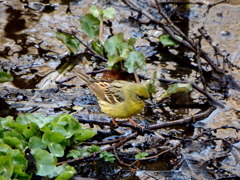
(140,129)
(113,123)
(134,124)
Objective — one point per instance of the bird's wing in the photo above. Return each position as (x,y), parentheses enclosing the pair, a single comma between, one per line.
(109,92)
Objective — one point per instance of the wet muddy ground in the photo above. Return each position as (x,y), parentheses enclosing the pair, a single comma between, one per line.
(29,49)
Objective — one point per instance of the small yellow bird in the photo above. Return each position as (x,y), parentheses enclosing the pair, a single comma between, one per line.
(118,99)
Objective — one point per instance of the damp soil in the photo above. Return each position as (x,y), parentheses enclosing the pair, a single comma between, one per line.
(29,49)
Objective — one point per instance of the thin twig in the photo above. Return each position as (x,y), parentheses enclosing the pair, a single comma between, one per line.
(119,160)
(156,126)
(199,89)
(159,154)
(126,139)
(184,120)
(85,44)
(171,24)
(200,64)
(204,33)
(186,43)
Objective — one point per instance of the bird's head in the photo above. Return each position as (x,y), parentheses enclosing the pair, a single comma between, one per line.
(141,92)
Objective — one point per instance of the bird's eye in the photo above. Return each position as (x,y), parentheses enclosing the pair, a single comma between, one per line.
(140,97)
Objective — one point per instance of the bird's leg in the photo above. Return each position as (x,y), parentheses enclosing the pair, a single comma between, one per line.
(115,122)
(134,124)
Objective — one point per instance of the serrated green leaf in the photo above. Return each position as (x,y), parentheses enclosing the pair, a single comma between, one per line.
(5,77)
(36,143)
(94,11)
(84,134)
(109,13)
(141,155)
(93,148)
(67,174)
(135,60)
(167,41)
(107,156)
(75,153)
(90,25)
(69,41)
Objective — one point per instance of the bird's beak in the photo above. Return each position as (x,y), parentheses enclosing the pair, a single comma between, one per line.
(149,101)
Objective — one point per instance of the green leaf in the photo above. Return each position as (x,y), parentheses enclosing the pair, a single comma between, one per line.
(36,143)
(117,45)
(176,88)
(14,139)
(28,130)
(90,25)
(13,142)
(66,124)
(56,149)
(55,142)
(107,156)
(141,155)
(109,13)
(75,153)
(4,149)
(69,41)
(7,122)
(45,162)
(52,137)
(5,77)
(38,118)
(118,49)
(98,47)
(6,166)
(94,11)
(135,60)
(19,173)
(19,159)
(152,89)
(114,59)
(167,41)
(68,172)
(93,148)
(84,134)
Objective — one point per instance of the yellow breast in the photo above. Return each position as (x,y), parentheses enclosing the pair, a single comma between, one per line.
(124,109)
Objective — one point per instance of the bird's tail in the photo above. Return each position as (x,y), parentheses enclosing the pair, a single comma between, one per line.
(83,76)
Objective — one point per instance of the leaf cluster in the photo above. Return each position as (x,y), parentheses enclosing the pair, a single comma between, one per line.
(120,52)
(46,138)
